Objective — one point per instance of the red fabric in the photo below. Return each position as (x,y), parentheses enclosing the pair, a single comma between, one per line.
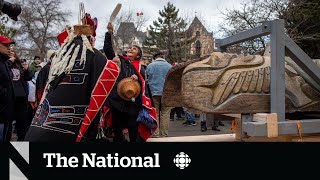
(61,37)
(40,93)
(99,94)
(108,117)
(143,131)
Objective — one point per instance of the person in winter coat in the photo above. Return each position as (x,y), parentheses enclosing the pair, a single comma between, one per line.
(6,88)
(157,72)
(33,67)
(20,75)
(124,113)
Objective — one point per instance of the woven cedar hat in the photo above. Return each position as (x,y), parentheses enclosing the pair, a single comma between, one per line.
(128,89)
(87,26)
(86,30)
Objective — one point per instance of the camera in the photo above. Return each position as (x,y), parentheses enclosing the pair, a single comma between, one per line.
(12,10)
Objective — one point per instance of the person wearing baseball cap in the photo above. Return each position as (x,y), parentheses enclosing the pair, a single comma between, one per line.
(6,88)
(5,44)
(5,40)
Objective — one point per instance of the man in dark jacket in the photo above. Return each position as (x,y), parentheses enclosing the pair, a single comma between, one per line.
(6,88)
(20,75)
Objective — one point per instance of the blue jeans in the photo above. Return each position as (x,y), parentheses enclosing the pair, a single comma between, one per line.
(190,117)
(3,131)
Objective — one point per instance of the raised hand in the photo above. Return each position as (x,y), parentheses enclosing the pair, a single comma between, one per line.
(110,28)
(134,77)
(117,61)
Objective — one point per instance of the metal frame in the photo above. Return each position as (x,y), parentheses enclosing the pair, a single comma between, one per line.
(281,44)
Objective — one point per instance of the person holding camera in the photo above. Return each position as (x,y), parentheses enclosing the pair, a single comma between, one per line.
(6,88)
(12,10)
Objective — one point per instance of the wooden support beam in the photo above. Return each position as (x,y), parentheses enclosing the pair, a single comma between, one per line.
(260,117)
(271,120)
(259,129)
(272,125)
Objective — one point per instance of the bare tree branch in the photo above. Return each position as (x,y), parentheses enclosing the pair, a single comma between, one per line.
(250,15)
(40,22)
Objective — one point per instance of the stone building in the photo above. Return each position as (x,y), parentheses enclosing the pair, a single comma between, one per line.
(204,43)
(127,35)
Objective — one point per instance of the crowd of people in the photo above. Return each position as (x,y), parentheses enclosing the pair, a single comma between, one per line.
(77,94)
(18,90)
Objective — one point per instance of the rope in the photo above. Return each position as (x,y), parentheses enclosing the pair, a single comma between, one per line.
(299,130)
(232,126)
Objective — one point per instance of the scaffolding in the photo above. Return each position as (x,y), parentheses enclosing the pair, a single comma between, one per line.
(281,45)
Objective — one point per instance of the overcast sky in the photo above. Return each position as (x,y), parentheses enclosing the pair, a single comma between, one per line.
(208,10)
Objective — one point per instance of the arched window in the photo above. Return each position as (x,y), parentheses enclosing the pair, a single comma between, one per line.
(198,49)
(198,33)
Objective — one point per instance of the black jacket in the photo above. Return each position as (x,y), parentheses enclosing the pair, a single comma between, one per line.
(114,101)
(59,115)
(107,46)
(19,80)
(6,91)
(108,51)
(42,80)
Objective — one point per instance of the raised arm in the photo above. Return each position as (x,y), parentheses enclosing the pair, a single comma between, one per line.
(107,47)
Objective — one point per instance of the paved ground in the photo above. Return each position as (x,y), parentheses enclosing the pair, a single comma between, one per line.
(201,138)
(177,129)
(181,133)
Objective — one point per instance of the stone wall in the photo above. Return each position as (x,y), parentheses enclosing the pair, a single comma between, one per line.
(206,40)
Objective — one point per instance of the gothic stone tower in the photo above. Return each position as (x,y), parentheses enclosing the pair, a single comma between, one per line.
(204,44)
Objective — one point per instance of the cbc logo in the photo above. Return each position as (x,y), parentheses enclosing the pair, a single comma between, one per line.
(182,160)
